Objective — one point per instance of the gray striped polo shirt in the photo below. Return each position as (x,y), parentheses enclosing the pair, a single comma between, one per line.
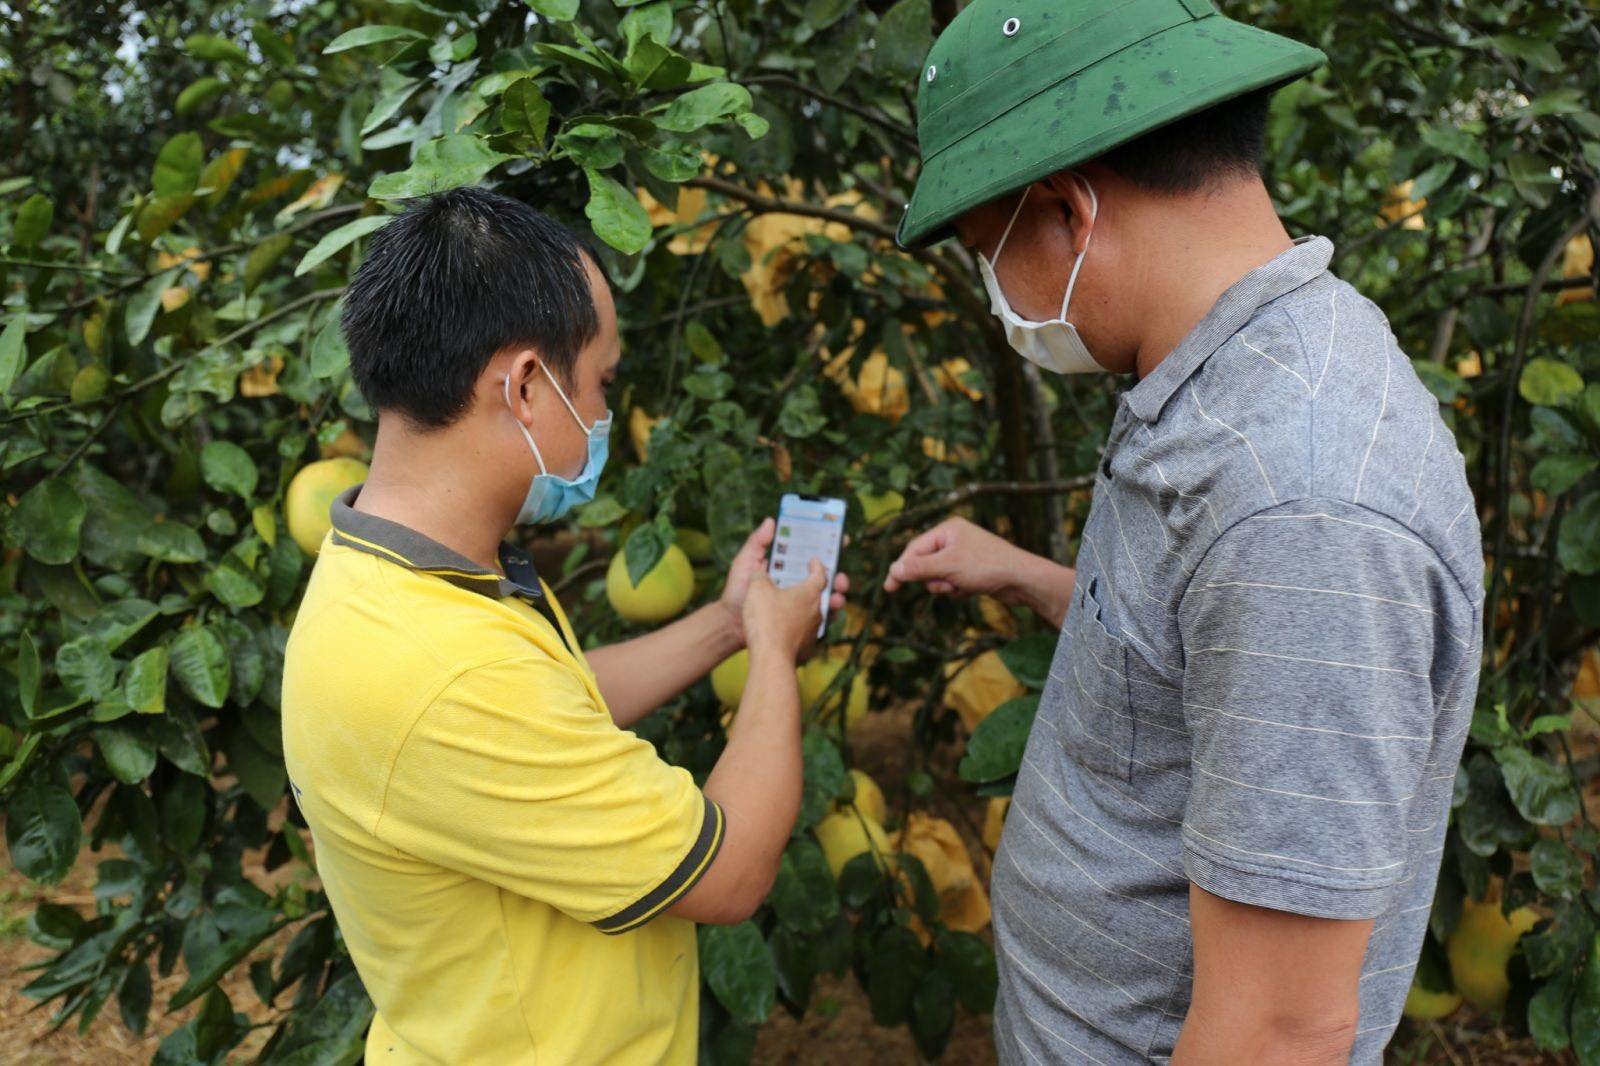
(1264,680)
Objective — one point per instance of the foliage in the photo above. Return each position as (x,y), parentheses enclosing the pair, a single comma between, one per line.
(170,359)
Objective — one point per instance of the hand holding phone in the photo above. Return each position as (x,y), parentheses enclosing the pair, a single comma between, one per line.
(809,527)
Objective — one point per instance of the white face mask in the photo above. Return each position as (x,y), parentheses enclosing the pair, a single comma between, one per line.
(1053,345)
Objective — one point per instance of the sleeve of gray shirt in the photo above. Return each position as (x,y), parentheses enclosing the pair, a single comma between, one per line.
(1319,638)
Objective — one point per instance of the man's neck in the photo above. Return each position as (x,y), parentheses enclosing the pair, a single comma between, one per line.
(436,485)
(1193,249)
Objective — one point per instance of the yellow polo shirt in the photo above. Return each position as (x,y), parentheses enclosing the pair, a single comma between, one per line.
(496,850)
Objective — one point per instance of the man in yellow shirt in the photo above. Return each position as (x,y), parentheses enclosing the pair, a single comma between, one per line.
(517,875)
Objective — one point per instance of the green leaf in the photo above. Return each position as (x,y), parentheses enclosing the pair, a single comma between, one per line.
(1578,541)
(1555,474)
(1454,141)
(738,966)
(171,542)
(43,830)
(177,165)
(129,753)
(904,37)
(227,467)
(329,353)
(49,518)
(332,243)
(32,221)
(181,741)
(235,582)
(1535,51)
(933,1014)
(263,257)
(1028,658)
(459,159)
(820,14)
(143,305)
(1548,383)
(971,966)
(199,94)
(215,49)
(995,750)
(28,674)
(616,214)
(801,415)
(201,664)
(86,668)
(362,36)
(642,550)
(260,772)
(700,107)
(894,968)
(825,777)
(134,997)
(160,212)
(558,10)
(1542,791)
(1586,1011)
(524,109)
(1556,869)
(13,351)
(144,682)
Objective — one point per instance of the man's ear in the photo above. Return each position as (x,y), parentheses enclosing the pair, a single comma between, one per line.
(521,366)
(1077,205)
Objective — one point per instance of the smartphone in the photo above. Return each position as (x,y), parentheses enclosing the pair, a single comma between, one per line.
(809,527)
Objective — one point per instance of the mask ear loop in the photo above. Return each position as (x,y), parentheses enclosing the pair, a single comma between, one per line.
(525,434)
(1094,210)
(559,392)
(1014,213)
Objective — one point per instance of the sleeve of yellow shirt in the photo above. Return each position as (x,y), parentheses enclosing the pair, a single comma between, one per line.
(516,775)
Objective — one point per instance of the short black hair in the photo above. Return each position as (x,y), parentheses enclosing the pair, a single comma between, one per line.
(1193,153)
(455,278)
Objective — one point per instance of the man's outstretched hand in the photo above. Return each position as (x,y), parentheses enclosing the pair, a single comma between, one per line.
(958,558)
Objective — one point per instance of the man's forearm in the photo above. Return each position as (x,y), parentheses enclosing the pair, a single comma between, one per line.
(1044,586)
(678,654)
(758,778)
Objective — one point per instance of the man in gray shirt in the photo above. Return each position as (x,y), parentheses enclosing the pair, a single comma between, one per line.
(1228,822)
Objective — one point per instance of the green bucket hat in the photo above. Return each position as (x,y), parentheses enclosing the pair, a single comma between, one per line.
(1015,90)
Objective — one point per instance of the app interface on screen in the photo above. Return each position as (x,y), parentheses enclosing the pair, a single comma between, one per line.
(807,529)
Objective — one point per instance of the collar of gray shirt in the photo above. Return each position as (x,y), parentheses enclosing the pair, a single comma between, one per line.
(1283,273)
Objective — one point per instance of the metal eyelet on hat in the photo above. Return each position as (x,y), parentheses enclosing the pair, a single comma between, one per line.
(933,72)
(1012,25)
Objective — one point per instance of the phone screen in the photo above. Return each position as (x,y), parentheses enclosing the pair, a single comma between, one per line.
(809,527)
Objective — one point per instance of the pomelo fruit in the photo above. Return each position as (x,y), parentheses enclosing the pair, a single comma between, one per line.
(814,678)
(868,798)
(311,494)
(1481,947)
(664,591)
(1425,1006)
(847,833)
(882,506)
(980,687)
(728,677)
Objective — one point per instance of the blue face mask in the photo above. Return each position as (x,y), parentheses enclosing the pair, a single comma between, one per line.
(549,496)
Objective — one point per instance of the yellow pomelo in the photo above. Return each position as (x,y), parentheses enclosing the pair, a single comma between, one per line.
(868,798)
(879,389)
(1480,948)
(963,903)
(1577,261)
(994,821)
(1425,1006)
(952,377)
(882,506)
(728,677)
(997,616)
(983,685)
(639,426)
(815,677)
(695,544)
(665,590)
(311,493)
(847,833)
